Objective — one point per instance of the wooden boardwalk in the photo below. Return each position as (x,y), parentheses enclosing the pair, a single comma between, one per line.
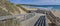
(41,21)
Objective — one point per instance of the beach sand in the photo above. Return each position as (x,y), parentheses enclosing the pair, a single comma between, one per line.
(56,13)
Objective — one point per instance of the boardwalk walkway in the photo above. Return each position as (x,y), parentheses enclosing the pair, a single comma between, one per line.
(41,21)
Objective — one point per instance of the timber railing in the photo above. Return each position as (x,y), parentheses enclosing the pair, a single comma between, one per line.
(14,20)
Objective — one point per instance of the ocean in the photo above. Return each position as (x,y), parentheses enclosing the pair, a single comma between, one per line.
(52,7)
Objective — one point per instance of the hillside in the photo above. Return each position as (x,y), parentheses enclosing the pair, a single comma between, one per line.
(7,8)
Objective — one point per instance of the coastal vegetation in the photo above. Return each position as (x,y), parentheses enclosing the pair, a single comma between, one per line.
(23,8)
(8,8)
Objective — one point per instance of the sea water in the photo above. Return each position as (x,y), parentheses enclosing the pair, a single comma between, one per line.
(52,7)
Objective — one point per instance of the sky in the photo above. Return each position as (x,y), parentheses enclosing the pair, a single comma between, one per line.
(37,2)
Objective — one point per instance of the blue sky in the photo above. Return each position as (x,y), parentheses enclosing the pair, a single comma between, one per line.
(37,2)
